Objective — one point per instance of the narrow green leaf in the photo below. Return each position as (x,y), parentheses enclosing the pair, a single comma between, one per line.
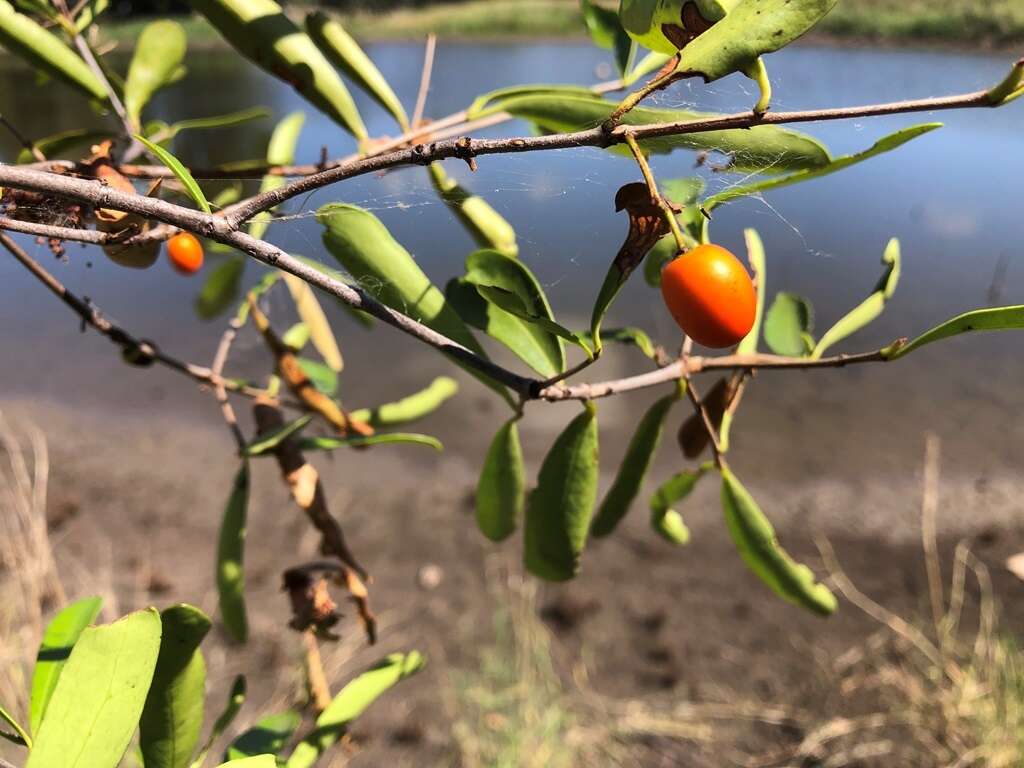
(23,37)
(559,509)
(296,337)
(324,379)
(256,761)
(652,62)
(346,54)
(760,550)
(230,555)
(870,308)
(994,319)
(180,171)
(880,147)
(626,335)
(65,141)
(229,120)
(513,303)
(280,151)
(351,702)
(221,288)
(173,715)
(99,697)
(410,408)
(500,492)
(486,226)
(788,325)
(20,735)
(1010,87)
(312,314)
(606,32)
(633,469)
(263,444)
(494,101)
(364,247)
(59,638)
(157,62)
(269,736)
(756,258)
(332,443)
(236,698)
(684,191)
(260,31)
(90,11)
(666,521)
(359,316)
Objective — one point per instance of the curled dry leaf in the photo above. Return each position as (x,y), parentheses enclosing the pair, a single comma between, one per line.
(646,225)
(312,605)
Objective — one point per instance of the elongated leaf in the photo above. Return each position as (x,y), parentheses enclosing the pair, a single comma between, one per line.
(333,443)
(325,379)
(157,62)
(755,255)
(260,31)
(312,314)
(364,247)
(666,521)
(263,444)
(626,335)
(297,337)
(65,141)
(494,101)
(59,638)
(91,10)
(870,308)
(351,702)
(230,555)
(633,469)
(20,736)
(760,550)
(99,697)
(994,319)
(486,226)
(180,171)
(537,347)
(280,151)
(359,316)
(513,303)
(880,147)
(173,715)
(766,148)
(410,408)
(220,291)
(500,492)
(652,62)
(788,325)
(684,191)
(606,32)
(269,736)
(236,698)
(559,510)
(229,120)
(346,54)
(257,761)
(26,39)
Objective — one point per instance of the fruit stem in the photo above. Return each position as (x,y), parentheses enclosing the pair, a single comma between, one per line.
(652,186)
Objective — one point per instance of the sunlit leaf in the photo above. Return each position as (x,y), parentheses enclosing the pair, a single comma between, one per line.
(559,509)
(63,142)
(607,32)
(410,408)
(90,11)
(513,303)
(296,337)
(269,736)
(486,226)
(220,291)
(256,761)
(157,62)
(180,171)
(755,255)
(351,702)
(236,698)
(652,62)
(633,469)
(230,555)
(994,319)
(500,492)
(264,444)
(755,540)
(665,520)
(20,736)
(788,324)
(664,26)
(493,102)
(312,315)
(387,438)
(626,335)
(280,151)
(229,120)
(98,700)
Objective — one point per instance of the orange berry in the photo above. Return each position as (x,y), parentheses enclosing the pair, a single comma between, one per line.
(711,296)
(185,253)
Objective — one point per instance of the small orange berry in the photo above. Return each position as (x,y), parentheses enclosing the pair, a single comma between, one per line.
(710,295)
(185,253)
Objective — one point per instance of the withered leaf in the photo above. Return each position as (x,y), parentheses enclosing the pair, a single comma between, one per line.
(647,225)
(693,435)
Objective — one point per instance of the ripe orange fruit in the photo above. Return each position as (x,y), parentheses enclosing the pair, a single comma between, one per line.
(711,296)
(185,253)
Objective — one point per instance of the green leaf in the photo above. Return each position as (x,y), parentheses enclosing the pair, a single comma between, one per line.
(65,141)
(410,408)
(220,291)
(500,492)
(296,337)
(880,147)
(229,120)
(486,226)
(559,510)
(180,171)
(59,638)
(351,702)
(280,151)
(646,20)
(359,316)
(788,325)
(20,735)
(1010,87)
(683,191)
(633,468)
(346,54)
(652,62)
(99,697)
(332,443)
(494,101)
(173,715)
(23,37)
(664,251)
(515,304)
(606,32)
(870,308)
(760,550)
(91,10)
(994,319)
(667,522)
(364,247)
(625,335)
(260,31)
(536,346)
(269,736)
(263,444)
(236,698)
(230,555)
(156,63)
(763,148)
(312,314)
(755,255)
(256,761)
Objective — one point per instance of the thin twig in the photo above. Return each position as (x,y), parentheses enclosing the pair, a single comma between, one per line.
(217,369)
(652,186)
(428,69)
(22,139)
(319,689)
